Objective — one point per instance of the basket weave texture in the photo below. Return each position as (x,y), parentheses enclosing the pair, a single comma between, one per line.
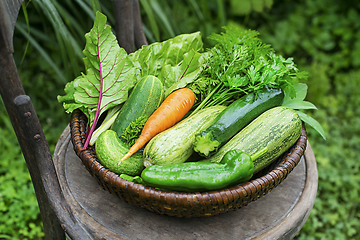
(181,204)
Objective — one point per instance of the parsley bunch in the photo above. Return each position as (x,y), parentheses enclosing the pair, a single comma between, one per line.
(238,64)
(133,131)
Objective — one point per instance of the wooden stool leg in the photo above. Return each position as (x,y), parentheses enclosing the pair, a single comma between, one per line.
(123,12)
(38,159)
(128,25)
(140,38)
(24,120)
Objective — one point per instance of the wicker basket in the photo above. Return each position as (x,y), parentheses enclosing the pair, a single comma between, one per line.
(180,204)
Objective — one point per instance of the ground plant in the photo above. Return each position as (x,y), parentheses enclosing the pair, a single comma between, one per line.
(322,36)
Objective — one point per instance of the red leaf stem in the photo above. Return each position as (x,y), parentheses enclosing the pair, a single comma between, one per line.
(99,102)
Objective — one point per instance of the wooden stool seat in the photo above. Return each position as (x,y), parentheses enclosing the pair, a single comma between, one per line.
(278,215)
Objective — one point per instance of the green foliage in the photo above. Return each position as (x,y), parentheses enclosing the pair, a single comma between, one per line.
(240,63)
(19,212)
(162,17)
(337,206)
(245,7)
(322,36)
(133,131)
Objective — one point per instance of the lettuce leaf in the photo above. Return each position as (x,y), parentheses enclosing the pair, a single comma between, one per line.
(175,62)
(175,77)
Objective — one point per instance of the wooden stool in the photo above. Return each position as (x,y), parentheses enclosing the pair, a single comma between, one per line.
(278,215)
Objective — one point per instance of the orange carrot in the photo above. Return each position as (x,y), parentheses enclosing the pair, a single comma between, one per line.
(171,111)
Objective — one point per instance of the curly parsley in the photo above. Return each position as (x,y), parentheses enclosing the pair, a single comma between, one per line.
(133,131)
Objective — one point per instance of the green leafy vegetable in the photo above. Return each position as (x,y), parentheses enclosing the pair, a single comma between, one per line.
(297,102)
(238,64)
(176,62)
(175,77)
(106,124)
(133,131)
(109,75)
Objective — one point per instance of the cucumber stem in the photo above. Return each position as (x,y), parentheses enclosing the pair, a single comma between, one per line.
(259,153)
(205,144)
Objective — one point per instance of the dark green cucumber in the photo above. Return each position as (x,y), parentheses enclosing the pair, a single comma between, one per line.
(236,116)
(174,145)
(277,129)
(109,150)
(144,99)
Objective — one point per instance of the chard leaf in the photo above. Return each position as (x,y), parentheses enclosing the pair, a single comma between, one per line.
(105,63)
(109,74)
(312,122)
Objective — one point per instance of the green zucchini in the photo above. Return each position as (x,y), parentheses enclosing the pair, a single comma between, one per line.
(277,129)
(109,150)
(143,100)
(174,145)
(236,116)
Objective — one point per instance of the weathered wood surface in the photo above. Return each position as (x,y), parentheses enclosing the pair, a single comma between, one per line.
(139,35)
(8,14)
(57,214)
(128,28)
(26,124)
(278,215)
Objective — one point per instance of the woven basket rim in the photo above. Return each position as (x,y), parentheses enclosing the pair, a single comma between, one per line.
(135,193)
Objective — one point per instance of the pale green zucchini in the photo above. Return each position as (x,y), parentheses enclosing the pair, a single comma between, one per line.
(277,129)
(174,145)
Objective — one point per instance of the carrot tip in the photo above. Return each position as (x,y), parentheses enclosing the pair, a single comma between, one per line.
(125,157)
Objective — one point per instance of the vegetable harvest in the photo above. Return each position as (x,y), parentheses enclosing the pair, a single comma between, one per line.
(277,129)
(235,167)
(175,144)
(144,99)
(172,110)
(234,118)
(182,118)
